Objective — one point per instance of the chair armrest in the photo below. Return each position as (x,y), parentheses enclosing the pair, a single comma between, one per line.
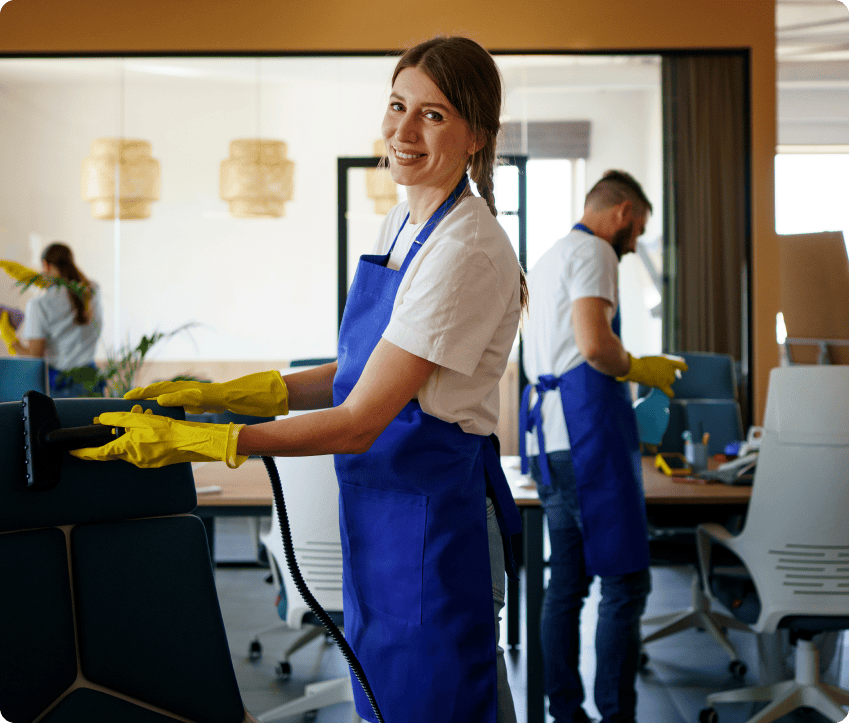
(706,535)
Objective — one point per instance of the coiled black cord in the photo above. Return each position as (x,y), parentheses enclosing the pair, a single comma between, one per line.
(311,602)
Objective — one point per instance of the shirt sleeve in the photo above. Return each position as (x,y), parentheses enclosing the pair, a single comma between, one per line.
(35,321)
(452,308)
(593,272)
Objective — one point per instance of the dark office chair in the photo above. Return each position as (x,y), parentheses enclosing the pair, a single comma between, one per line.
(705,401)
(109,609)
(792,555)
(19,374)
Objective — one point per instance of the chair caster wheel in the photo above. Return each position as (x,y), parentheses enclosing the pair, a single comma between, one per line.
(283,670)
(708,715)
(254,651)
(310,716)
(738,669)
(644,659)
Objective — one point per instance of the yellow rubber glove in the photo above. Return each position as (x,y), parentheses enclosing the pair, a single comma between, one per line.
(19,272)
(655,371)
(263,394)
(150,440)
(7,331)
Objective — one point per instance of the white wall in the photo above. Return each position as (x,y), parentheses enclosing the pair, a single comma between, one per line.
(259,289)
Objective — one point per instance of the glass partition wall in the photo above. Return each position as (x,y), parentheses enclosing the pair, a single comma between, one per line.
(265,288)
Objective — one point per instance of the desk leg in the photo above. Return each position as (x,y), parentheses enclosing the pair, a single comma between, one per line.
(532,532)
(514,595)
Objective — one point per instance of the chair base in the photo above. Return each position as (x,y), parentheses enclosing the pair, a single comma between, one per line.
(806,690)
(699,616)
(316,695)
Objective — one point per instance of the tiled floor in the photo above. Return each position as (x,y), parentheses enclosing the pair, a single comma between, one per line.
(682,668)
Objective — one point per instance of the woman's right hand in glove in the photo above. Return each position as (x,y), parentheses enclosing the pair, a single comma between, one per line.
(263,394)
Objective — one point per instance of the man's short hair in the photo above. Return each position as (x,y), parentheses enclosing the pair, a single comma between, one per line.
(613,188)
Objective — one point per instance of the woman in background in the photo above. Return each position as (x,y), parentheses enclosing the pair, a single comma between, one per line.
(60,325)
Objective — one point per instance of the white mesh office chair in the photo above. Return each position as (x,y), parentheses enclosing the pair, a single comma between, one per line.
(311,492)
(795,542)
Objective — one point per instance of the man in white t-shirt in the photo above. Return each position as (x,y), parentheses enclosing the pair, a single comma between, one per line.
(584,449)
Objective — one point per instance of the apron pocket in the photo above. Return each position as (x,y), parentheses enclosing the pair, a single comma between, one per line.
(385,533)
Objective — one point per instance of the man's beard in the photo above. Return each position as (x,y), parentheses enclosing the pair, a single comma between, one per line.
(620,240)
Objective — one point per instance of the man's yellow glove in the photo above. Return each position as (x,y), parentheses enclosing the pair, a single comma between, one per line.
(153,441)
(7,331)
(19,272)
(263,394)
(655,371)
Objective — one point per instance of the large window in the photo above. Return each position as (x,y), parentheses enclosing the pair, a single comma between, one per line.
(266,289)
(810,192)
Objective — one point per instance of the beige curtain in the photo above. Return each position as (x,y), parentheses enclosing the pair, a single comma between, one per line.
(705,106)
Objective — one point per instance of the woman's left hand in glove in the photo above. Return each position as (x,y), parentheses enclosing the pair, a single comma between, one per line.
(150,440)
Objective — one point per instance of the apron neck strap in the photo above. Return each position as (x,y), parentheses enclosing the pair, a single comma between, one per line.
(459,192)
(581,227)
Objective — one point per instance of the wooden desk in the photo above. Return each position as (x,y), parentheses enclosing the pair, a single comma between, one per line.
(245,492)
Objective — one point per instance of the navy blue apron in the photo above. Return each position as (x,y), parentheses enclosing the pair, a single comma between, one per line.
(417,588)
(605,451)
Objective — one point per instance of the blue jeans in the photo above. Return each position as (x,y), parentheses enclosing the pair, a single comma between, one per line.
(623,600)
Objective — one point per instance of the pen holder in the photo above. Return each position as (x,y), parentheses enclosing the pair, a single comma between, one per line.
(696,454)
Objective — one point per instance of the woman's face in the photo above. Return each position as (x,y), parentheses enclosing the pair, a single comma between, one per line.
(427,142)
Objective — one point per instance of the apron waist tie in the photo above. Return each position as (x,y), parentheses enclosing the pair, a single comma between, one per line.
(533,420)
(506,511)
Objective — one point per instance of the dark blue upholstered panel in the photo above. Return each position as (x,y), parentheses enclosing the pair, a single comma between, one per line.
(150,627)
(38,661)
(85,704)
(19,375)
(87,491)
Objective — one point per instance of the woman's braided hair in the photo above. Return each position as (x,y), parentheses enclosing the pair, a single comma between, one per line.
(469,78)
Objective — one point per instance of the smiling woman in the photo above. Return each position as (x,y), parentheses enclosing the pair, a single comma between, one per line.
(409,409)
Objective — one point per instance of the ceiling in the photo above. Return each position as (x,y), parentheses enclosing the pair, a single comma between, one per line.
(812,49)
(812,30)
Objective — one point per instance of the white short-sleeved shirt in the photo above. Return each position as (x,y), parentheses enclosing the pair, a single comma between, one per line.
(49,315)
(457,306)
(577,266)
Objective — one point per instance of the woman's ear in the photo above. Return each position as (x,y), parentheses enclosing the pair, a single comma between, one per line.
(476,143)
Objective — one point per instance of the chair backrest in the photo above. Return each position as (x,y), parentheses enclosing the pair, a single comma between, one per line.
(21,374)
(796,536)
(708,376)
(109,608)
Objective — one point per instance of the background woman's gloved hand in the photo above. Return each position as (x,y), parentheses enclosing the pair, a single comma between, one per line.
(153,441)
(19,272)
(7,331)
(263,394)
(655,371)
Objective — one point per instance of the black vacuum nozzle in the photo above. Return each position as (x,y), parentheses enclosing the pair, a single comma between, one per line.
(45,440)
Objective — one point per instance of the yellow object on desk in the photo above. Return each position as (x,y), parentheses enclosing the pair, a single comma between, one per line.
(672,464)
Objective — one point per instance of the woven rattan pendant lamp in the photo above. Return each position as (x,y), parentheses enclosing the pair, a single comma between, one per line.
(120,177)
(257,179)
(379,184)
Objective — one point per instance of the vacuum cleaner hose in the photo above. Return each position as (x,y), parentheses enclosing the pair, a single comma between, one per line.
(311,602)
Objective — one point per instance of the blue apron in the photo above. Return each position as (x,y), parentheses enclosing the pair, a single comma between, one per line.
(605,451)
(417,587)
